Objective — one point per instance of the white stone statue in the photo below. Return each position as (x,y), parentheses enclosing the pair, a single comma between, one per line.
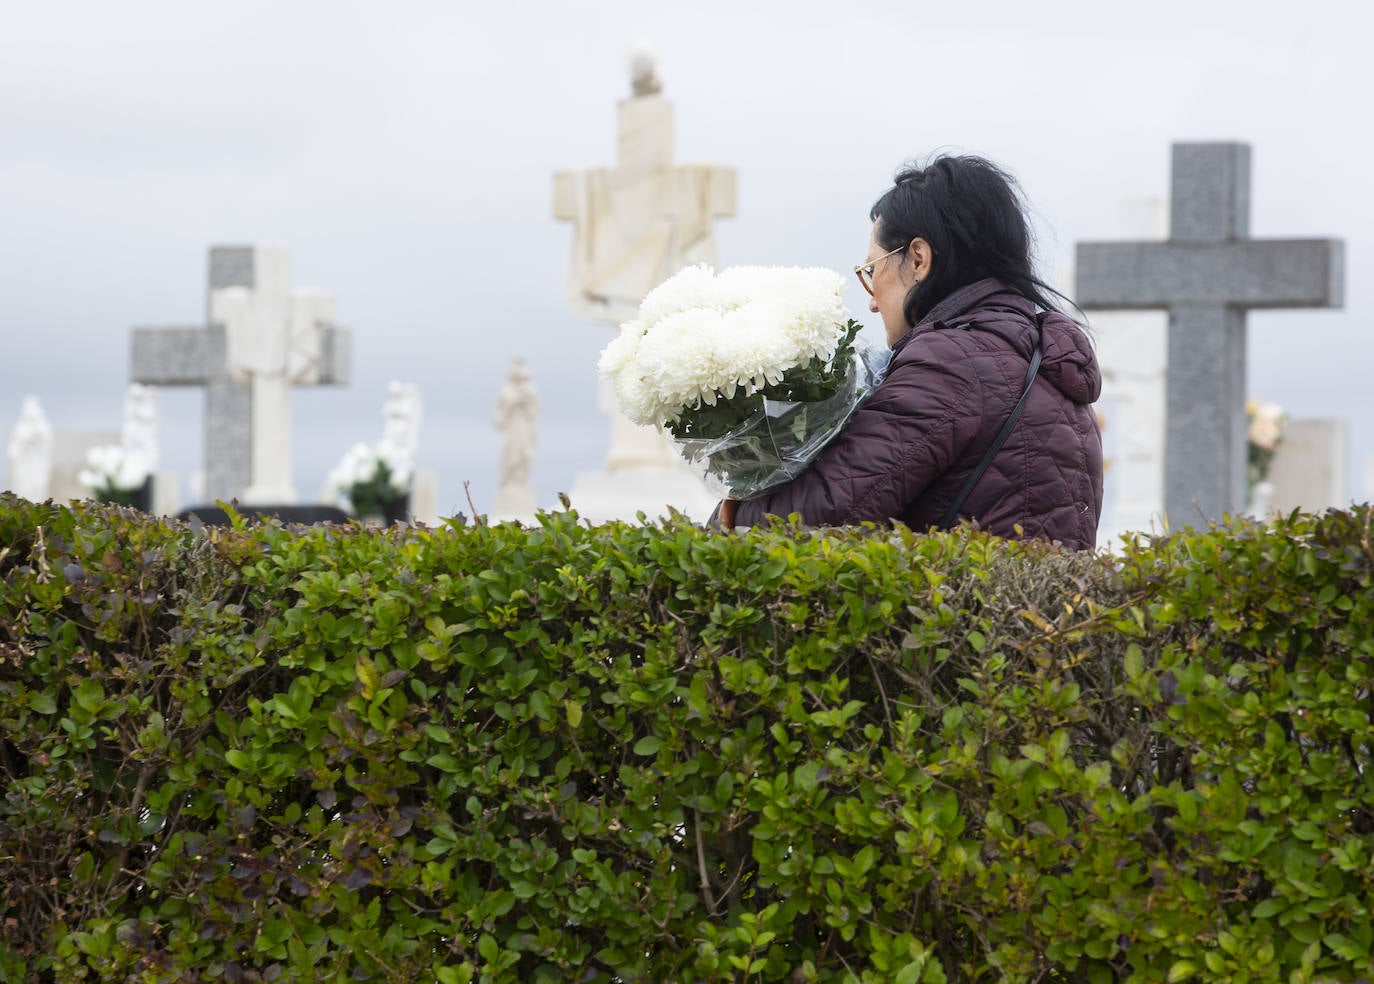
(139,433)
(400,428)
(516,417)
(274,340)
(30,452)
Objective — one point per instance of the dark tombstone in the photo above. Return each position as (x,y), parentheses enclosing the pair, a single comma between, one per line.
(1208,275)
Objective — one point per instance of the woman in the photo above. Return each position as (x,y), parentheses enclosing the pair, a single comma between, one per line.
(974,336)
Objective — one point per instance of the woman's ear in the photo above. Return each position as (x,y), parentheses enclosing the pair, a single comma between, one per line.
(921,254)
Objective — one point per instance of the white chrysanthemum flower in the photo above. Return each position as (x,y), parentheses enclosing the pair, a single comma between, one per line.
(678,358)
(702,336)
(616,355)
(1266,424)
(355,466)
(635,399)
(683,291)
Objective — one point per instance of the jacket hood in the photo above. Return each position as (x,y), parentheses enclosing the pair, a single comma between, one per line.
(1068,363)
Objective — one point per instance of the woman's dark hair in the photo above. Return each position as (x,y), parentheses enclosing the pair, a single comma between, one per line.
(970,212)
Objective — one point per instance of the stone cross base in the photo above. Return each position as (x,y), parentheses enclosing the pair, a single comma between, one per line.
(69,458)
(601,497)
(1310,469)
(514,502)
(424,497)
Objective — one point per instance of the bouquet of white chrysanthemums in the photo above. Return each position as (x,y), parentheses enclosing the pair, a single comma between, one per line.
(752,371)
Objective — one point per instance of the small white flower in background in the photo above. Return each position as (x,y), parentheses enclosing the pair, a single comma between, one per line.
(109,468)
(359,474)
(356,465)
(1263,436)
(1266,424)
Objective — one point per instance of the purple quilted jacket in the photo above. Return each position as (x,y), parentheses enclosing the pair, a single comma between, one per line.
(949,389)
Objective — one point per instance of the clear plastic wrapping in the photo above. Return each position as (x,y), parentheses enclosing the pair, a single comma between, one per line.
(777,442)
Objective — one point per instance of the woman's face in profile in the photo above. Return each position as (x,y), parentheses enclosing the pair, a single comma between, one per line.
(891,281)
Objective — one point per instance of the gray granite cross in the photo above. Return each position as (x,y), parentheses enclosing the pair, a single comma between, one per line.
(200,356)
(1208,275)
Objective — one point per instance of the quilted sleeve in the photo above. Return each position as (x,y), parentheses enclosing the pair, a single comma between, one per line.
(905,435)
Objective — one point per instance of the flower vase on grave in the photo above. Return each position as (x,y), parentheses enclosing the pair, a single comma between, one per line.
(116,477)
(1264,431)
(1261,504)
(396,510)
(142,497)
(376,490)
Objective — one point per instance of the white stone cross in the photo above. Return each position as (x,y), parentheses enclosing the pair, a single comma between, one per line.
(1208,275)
(634,226)
(637,224)
(262,339)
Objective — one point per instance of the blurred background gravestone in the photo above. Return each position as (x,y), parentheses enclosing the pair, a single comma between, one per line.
(261,338)
(634,226)
(29,452)
(1310,470)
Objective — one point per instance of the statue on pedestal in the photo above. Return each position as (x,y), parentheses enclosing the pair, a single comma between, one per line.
(516,417)
(30,452)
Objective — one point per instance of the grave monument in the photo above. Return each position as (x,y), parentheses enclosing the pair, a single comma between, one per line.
(634,226)
(1207,275)
(1310,470)
(401,415)
(261,339)
(29,451)
(516,415)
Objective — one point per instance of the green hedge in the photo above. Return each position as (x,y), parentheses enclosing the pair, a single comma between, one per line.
(656,753)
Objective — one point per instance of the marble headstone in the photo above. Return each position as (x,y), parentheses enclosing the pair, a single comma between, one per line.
(1310,468)
(261,339)
(69,460)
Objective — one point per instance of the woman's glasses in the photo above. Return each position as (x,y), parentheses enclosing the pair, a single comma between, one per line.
(865,270)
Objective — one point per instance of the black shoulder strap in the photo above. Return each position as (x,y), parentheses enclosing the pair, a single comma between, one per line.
(947,520)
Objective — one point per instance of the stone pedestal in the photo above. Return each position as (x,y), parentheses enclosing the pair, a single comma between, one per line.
(1309,470)
(604,496)
(69,458)
(514,503)
(424,496)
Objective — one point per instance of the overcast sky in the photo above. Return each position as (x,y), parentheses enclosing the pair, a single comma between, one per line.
(405,153)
